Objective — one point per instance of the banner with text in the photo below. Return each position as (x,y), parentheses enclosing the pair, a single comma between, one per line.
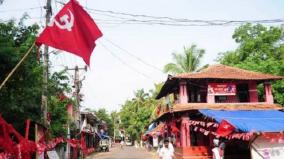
(224,89)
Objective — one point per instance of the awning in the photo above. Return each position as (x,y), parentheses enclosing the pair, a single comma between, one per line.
(150,128)
(250,121)
(157,130)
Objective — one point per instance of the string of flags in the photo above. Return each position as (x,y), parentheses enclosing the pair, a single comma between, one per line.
(240,136)
(204,124)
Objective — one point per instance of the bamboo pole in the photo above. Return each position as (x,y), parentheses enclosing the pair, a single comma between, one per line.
(17,66)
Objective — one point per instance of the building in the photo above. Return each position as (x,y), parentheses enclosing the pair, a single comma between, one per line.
(203,102)
(89,128)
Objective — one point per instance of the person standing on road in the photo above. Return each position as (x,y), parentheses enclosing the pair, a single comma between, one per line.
(218,150)
(122,141)
(166,152)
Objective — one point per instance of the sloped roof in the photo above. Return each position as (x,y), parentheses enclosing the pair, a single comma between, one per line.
(218,72)
(227,72)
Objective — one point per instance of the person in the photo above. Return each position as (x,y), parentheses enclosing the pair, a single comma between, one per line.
(218,150)
(166,152)
(161,143)
(222,150)
(122,141)
(215,150)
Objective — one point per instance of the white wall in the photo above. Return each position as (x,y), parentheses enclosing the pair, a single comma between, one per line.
(263,148)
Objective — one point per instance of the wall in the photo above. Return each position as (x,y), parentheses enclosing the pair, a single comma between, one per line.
(267,148)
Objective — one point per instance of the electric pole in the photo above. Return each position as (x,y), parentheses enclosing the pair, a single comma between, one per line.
(45,67)
(77,83)
(44,78)
(77,86)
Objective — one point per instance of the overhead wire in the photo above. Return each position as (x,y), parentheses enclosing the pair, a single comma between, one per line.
(164,20)
(134,56)
(20,9)
(138,19)
(124,63)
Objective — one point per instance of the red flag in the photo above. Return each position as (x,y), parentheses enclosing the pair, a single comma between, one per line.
(225,128)
(72,30)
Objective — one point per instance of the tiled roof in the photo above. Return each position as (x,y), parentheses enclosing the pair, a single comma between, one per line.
(227,72)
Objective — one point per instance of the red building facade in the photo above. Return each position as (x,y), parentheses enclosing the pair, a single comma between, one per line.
(220,88)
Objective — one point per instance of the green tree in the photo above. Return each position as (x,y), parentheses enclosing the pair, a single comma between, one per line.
(20,98)
(57,84)
(137,113)
(188,61)
(115,119)
(102,114)
(260,49)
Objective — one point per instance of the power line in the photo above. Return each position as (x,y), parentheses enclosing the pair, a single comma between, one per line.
(134,56)
(20,9)
(140,19)
(125,63)
(164,20)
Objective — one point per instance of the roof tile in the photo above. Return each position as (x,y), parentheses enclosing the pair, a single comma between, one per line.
(227,72)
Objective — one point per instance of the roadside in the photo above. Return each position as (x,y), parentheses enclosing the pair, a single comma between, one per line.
(128,152)
(113,149)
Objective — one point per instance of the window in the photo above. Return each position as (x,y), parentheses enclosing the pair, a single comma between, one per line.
(221,99)
(242,93)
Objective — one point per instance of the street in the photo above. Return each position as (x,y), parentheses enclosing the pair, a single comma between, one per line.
(128,152)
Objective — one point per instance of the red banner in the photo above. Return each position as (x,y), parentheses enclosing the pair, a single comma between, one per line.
(224,89)
(225,128)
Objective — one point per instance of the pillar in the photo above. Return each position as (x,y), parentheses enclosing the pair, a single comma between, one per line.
(183,92)
(268,93)
(210,97)
(185,132)
(253,95)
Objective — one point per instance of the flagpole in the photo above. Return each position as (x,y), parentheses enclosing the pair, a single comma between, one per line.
(17,66)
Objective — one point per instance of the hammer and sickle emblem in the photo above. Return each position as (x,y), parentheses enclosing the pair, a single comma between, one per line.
(67,21)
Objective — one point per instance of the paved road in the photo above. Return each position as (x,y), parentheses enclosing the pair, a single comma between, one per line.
(128,152)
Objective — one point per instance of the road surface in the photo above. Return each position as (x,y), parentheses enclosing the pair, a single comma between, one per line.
(128,152)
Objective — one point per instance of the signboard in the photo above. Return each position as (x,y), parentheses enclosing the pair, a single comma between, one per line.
(52,155)
(224,89)
(268,148)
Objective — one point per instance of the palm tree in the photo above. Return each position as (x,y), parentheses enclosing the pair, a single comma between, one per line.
(189,61)
(139,100)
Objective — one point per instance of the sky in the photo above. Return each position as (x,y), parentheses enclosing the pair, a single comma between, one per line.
(114,75)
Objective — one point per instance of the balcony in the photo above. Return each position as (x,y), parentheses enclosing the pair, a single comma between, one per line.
(179,107)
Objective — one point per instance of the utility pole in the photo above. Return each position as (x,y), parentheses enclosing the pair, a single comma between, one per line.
(77,86)
(45,66)
(44,78)
(77,83)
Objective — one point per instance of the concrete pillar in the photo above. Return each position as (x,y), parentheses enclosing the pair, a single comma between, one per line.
(268,93)
(253,95)
(183,92)
(210,97)
(185,132)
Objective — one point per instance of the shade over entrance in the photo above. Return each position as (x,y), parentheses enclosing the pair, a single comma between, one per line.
(250,120)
